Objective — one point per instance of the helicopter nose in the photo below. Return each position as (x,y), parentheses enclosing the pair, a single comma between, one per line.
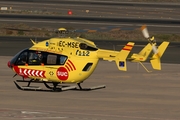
(9,64)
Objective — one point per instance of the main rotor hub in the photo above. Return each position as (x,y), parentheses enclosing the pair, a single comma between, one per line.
(62,32)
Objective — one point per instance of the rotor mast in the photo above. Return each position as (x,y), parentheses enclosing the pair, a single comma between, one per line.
(62,32)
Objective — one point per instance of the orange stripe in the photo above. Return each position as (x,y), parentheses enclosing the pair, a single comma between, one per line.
(126,47)
(143,27)
(129,45)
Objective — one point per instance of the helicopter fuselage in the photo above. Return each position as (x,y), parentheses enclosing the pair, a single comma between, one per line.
(72,65)
(54,67)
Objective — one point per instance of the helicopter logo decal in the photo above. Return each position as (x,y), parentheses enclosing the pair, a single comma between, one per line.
(69,44)
(63,72)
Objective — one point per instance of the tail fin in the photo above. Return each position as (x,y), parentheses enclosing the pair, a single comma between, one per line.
(142,55)
(156,58)
(122,55)
(145,52)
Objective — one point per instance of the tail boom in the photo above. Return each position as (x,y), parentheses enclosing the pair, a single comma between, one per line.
(119,57)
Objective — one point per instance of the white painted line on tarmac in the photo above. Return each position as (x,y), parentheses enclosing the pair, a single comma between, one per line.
(29,112)
(41,118)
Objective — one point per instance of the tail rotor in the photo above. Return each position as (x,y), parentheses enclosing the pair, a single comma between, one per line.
(150,39)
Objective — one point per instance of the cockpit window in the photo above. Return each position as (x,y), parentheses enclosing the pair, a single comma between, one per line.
(62,60)
(16,58)
(22,59)
(84,46)
(35,58)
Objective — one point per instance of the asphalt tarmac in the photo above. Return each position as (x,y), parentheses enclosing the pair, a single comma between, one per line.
(131,95)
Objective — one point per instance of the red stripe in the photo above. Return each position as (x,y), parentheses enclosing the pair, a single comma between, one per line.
(127,49)
(43,74)
(129,45)
(72,64)
(23,73)
(69,66)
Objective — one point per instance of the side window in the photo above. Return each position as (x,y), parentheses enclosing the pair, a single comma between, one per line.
(62,60)
(35,58)
(54,59)
(22,59)
(51,59)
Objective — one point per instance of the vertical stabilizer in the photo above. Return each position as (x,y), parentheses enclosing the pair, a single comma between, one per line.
(146,51)
(142,55)
(156,58)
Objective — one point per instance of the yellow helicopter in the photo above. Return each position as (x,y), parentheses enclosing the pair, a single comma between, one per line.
(64,60)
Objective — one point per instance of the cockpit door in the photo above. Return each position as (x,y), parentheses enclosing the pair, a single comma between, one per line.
(30,64)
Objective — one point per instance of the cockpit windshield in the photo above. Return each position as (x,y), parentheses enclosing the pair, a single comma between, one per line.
(19,56)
